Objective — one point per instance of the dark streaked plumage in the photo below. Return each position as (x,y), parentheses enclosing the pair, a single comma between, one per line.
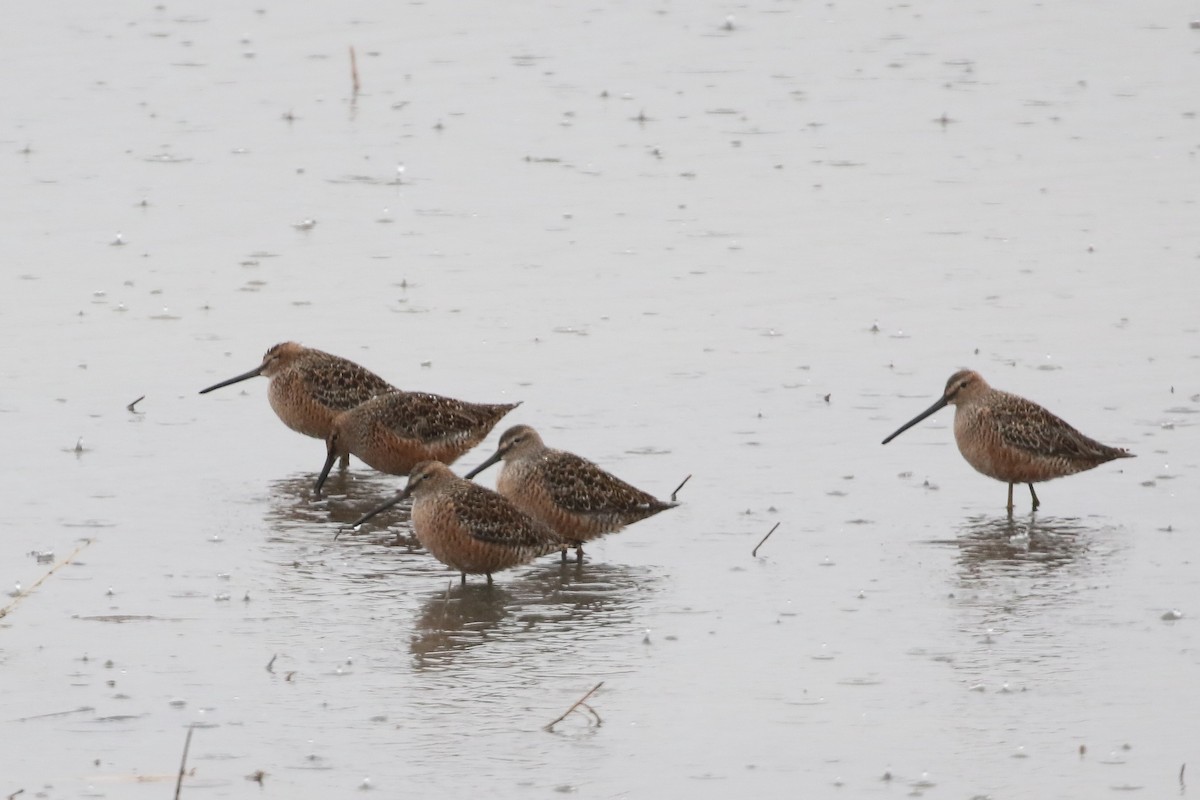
(1012,439)
(572,495)
(394,432)
(467,527)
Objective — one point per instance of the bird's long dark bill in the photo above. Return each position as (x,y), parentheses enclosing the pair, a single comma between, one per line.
(933,409)
(329,459)
(254,373)
(495,457)
(379,509)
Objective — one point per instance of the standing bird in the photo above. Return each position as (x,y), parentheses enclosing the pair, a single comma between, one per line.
(570,494)
(1012,439)
(310,387)
(467,527)
(394,432)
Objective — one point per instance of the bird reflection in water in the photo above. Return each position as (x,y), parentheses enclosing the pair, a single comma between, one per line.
(293,508)
(998,545)
(1023,585)
(546,606)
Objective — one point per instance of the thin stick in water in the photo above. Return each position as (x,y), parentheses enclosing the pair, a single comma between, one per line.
(183,761)
(577,704)
(754,552)
(680,486)
(131,408)
(354,70)
(4,612)
(49,714)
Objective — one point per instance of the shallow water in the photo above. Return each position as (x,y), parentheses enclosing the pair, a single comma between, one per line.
(744,249)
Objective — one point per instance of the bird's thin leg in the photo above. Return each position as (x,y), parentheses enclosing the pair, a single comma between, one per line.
(344,462)
(1035,500)
(579,554)
(464,578)
(1010,499)
(489,577)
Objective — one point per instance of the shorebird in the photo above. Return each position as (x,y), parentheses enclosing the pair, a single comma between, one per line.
(467,527)
(1012,439)
(310,387)
(570,494)
(394,432)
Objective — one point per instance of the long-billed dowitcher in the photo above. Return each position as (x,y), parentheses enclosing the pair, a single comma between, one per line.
(394,432)
(310,387)
(1012,439)
(467,527)
(572,495)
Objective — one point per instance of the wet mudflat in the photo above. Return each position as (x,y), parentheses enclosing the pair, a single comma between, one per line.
(745,248)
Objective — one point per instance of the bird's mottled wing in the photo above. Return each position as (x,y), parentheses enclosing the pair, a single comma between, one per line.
(1027,426)
(491,518)
(580,487)
(341,384)
(433,418)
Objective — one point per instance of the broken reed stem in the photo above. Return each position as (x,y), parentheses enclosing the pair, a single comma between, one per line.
(354,70)
(50,714)
(130,407)
(680,486)
(577,704)
(4,612)
(183,761)
(754,552)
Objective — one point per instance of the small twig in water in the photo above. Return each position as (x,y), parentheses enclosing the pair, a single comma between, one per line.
(183,761)
(680,486)
(14,794)
(754,552)
(271,663)
(79,710)
(1182,785)
(577,704)
(131,408)
(4,612)
(354,70)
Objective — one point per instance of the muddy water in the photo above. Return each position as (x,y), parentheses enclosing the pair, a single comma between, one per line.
(742,247)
